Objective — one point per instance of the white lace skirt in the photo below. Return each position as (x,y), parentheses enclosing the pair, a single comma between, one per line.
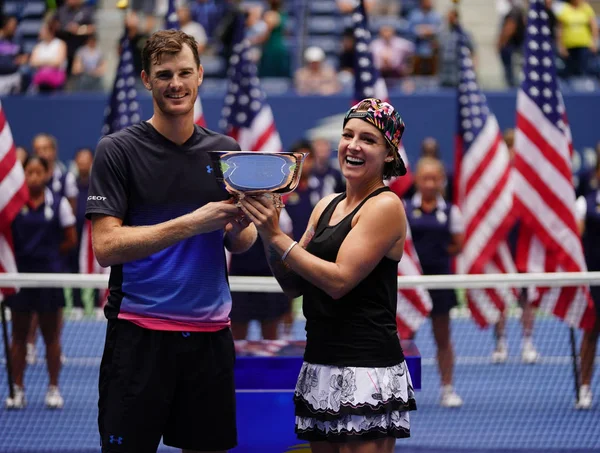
(339,404)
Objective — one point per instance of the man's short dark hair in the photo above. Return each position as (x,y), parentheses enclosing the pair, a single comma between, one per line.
(168,42)
(52,139)
(302,145)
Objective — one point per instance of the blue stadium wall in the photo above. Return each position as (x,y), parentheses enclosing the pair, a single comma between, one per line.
(76,120)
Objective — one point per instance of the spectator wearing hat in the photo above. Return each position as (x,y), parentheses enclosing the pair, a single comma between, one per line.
(316,76)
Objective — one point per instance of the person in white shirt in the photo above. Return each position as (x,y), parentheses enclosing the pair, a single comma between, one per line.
(392,54)
(188,26)
(49,59)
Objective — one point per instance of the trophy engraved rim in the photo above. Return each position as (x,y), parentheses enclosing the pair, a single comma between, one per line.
(255,172)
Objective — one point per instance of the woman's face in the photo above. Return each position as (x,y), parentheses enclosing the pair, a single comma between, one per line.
(35,175)
(429,179)
(362,151)
(45,32)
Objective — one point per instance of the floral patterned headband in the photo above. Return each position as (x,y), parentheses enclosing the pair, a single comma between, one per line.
(384,117)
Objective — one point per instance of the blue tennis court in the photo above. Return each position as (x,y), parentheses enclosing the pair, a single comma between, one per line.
(507,407)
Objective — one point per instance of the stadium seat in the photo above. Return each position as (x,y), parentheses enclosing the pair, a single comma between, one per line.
(400,25)
(214,66)
(324,25)
(213,85)
(329,44)
(323,7)
(426,83)
(583,84)
(13,8)
(34,10)
(276,85)
(29,28)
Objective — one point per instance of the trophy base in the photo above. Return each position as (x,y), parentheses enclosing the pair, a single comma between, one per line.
(275,198)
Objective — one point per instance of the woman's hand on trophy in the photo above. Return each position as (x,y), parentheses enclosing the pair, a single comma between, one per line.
(263,211)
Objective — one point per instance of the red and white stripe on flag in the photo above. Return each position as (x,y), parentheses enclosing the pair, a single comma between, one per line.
(545,198)
(544,193)
(414,304)
(483,194)
(246,115)
(88,264)
(13,195)
(261,135)
(198,112)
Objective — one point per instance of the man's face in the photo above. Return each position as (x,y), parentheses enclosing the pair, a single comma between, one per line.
(183,15)
(10,27)
(84,160)
(452,17)
(35,176)
(426,4)
(43,147)
(174,82)
(314,66)
(386,32)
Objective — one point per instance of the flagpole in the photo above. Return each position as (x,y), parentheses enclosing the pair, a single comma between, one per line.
(574,361)
(11,388)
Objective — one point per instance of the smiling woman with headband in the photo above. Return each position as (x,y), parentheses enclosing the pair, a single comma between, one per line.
(354,385)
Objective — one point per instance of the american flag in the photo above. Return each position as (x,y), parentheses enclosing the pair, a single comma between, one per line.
(199,113)
(246,115)
(13,195)
(172,22)
(483,193)
(368,83)
(544,194)
(123,109)
(414,305)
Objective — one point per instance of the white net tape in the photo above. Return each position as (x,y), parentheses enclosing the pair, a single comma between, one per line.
(270,285)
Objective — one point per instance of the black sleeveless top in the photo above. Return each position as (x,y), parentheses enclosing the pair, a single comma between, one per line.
(358,329)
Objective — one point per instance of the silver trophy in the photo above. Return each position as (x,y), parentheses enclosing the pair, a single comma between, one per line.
(245,173)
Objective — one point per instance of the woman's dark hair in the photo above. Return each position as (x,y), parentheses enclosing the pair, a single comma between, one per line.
(33,158)
(393,168)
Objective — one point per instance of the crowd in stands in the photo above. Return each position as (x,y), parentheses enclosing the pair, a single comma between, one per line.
(48,46)
(45,50)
